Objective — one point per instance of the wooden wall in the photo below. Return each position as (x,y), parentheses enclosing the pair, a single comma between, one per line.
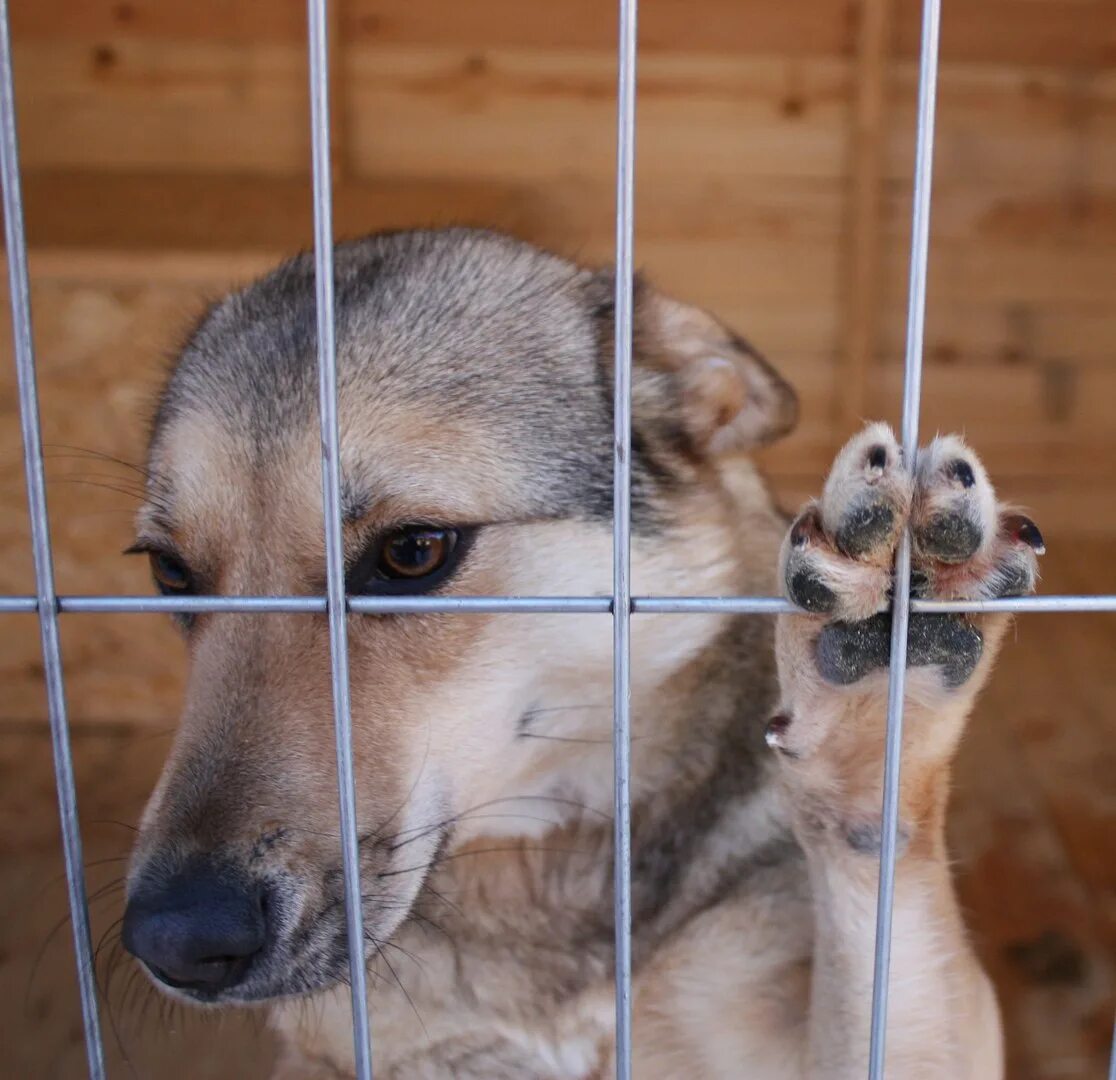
(166,150)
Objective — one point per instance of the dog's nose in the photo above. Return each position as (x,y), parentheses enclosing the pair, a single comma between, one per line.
(197,929)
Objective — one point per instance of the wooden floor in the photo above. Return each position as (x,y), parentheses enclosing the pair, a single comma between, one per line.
(1033,832)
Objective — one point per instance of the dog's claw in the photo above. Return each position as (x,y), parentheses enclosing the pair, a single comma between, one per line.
(1027,532)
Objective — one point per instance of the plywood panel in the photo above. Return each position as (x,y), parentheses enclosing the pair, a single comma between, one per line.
(1077,33)
(513,113)
(1014,124)
(809,27)
(151,104)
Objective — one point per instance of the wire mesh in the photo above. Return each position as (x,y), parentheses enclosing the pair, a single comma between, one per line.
(621,605)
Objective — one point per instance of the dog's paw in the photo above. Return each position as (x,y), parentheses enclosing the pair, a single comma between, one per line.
(838,554)
(967,546)
(838,558)
(837,564)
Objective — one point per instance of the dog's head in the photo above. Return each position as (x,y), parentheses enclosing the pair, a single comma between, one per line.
(475,404)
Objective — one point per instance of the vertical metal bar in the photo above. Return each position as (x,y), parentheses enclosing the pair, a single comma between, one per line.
(621,531)
(44,566)
(912,389)
(1112,1058)
(331,505)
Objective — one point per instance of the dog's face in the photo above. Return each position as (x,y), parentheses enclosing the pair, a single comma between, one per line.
(475,385)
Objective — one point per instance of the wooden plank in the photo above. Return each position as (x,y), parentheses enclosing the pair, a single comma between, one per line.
(517,114)
(1007,333)
(180,212)
(1048,126)
(866,208)
(1074,33)
(104,21)
(511,115)
(1024,32)
(808,27)
(149,105)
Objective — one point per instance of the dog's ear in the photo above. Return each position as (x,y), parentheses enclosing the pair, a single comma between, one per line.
(695,377)
(730,397)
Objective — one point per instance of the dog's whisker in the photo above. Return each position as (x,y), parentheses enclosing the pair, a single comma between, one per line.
(566,739)
(442,898)
(113,821)
(391,844)
(475,817)
(85,453)
(92,898)
(521,849)
(102,486)
(399,982)
(103,988)
(414,784)
(567,708)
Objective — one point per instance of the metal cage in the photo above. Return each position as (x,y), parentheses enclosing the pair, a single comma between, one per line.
(621,605)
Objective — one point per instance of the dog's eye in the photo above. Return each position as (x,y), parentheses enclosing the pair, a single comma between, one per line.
(409,559)
(170,573)
(415,552)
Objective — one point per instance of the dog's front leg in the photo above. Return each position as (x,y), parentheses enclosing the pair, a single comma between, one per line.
(829,734)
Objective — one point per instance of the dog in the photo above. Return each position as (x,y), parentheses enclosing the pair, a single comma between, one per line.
(475,404)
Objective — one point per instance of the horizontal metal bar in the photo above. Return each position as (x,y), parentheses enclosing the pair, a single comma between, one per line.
(553,605)
(190,605)
(714,605)
(10,604)
(773,605)
(359,605)
(641,605)
(1030,604)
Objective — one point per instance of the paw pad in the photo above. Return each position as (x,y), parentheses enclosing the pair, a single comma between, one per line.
(846,652)
(865,527)
(806,589)
(952,537)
